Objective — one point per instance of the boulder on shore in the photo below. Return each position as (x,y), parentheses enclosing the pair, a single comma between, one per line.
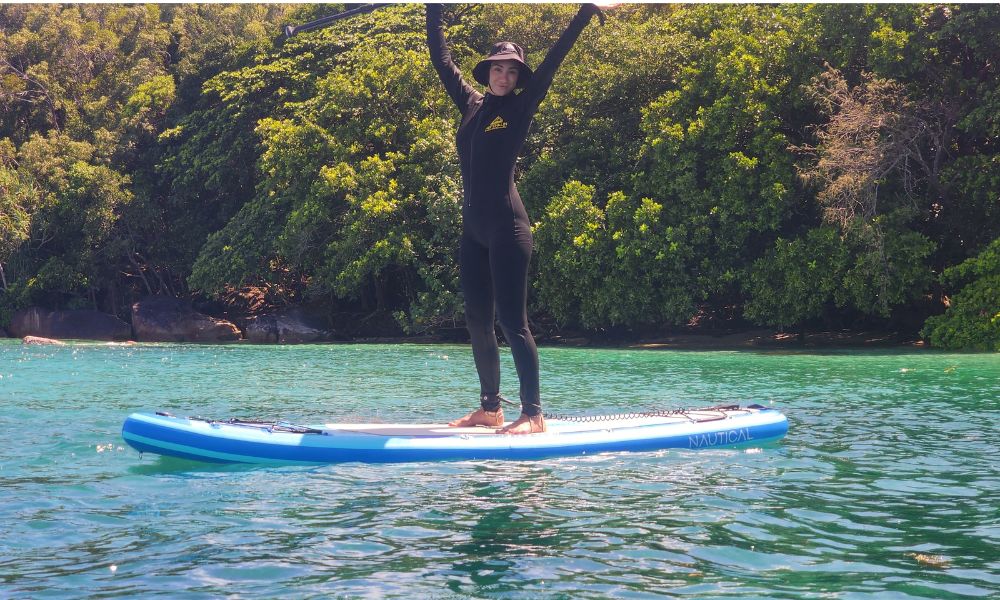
(41,341)
(292,326)
(166,319)
(69,324)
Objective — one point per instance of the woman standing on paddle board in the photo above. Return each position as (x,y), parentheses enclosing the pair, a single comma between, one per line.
(496,240)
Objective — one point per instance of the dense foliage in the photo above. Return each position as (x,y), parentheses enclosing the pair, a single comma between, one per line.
(972,320)
(784,165)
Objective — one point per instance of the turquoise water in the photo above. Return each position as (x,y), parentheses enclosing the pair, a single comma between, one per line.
(886,486)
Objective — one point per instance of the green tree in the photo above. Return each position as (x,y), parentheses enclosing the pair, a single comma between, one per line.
(79,198)
(811,277)
(72,67)
(799,279)
(357,194)
(715,152)
(866,169)
(972,320)
(18,198)
(571,241)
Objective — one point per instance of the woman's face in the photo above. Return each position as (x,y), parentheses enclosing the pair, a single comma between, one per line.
(503,76)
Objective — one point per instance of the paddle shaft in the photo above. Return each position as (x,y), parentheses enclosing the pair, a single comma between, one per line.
(291,30)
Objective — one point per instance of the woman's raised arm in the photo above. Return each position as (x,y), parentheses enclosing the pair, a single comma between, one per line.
(460,91)
(542,78)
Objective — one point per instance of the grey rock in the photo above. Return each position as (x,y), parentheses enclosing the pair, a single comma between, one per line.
(166,319)
(291,326)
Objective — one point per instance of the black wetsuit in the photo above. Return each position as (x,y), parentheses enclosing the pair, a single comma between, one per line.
(496,235)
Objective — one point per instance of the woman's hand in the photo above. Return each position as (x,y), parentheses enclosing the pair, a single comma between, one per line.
(600,7)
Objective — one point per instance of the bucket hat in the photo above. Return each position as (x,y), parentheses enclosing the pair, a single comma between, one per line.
(503,51)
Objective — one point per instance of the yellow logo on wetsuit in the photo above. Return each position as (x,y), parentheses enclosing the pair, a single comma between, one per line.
(497,123)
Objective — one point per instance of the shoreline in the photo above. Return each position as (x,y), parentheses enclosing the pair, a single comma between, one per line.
(752,339)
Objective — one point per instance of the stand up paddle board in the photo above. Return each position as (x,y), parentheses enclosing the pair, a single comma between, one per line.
(239,441)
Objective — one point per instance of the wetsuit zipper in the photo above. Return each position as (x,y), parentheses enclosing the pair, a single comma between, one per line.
(474,128)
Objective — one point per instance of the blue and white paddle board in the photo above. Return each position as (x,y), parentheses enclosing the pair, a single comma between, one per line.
(236,441)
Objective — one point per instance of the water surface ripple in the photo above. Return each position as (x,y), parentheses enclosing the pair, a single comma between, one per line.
(887,484)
